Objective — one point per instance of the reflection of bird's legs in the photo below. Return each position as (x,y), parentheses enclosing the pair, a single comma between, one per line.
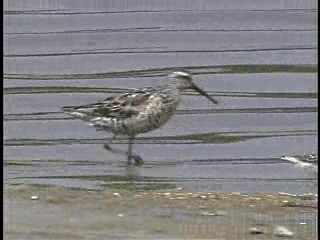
(109,148)
(137,159)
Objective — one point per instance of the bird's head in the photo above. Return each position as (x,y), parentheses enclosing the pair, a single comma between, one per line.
(184,81)
(182,78)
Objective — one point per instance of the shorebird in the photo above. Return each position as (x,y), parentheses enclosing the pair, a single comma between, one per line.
(138,111)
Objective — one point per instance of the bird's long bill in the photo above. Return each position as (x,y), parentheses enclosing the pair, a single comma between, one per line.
(203,93)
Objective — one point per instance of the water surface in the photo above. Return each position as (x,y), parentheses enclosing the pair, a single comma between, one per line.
(259,60)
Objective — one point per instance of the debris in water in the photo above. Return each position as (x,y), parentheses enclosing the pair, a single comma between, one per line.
(216,213)
(281,231)
(287,194)
(255,230)
(180,198)
(34,197)
(116,194)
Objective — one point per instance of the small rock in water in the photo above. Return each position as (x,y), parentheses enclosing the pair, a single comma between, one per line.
(180,198)
(287,194)
(34,197)
(215,213)
(255,230)
(221,212)
(281,231)
(120,215)
(158,229)
(206,213)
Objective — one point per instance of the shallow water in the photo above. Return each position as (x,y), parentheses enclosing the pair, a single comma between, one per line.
(58,55)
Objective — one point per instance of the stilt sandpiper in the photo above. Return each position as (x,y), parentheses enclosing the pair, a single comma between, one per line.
(138,111)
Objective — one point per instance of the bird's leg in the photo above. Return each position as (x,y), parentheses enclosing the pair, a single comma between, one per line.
(118,151)
(109,148)
(113,150)
(137,159)
(130,150)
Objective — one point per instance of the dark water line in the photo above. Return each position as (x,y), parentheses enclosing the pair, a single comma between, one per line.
(182,179)
(64,89)
(180,140)
(159,72)
(191,111)
(36,116)
(284,48)
(68,12)
(250,110)
(156,29)
(167,162)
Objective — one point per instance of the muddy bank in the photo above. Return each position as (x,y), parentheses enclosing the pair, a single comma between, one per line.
(50,212)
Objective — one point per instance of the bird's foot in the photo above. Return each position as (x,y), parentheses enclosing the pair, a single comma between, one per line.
(107,147)
(138,161)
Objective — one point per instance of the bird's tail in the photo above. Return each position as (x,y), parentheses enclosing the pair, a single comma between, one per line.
(68,109)
(78,111)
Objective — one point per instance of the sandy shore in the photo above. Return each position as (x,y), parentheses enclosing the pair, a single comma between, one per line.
(50,212)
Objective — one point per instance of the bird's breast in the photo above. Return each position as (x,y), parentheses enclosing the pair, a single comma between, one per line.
(152,116)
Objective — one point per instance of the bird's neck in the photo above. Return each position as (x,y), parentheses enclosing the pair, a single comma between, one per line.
(173,83)
(171,91)
(173,87)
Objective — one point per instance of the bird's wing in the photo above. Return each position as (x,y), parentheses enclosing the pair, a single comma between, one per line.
(122,106)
